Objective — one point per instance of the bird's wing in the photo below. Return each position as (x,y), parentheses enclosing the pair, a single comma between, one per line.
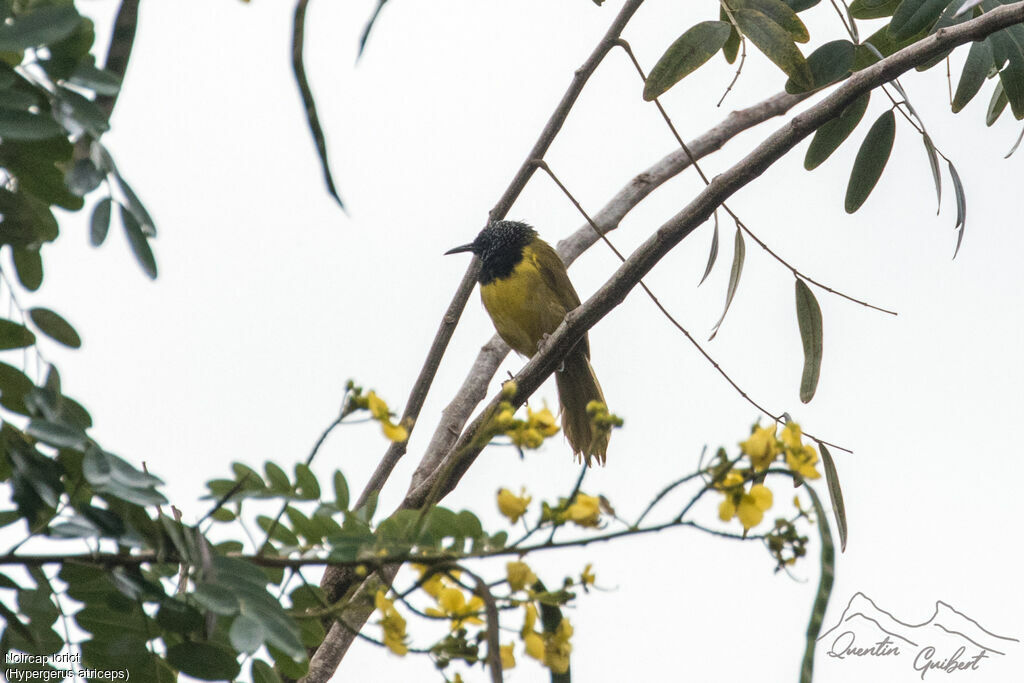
(557,280)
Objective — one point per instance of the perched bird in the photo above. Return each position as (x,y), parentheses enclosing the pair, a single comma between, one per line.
(526,290)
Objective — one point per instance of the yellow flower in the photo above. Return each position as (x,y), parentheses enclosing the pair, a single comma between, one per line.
(726,509)
(392,623)
(453,605)
(585,510)
(791,435)
(542,420)
(534,645)
(587,578)
(511,505)
(753,505)
(433,585)
(802,461)
(761,447)
(508,657)
(519,575)
(379,409)
(557,647)
(731,480)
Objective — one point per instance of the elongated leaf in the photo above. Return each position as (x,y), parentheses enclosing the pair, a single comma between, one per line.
(821,598)
(996,105)
(832,134)
(732,44)
(871,159)
(373,20)
(56,434)
(808,317)
(830,63)
(138,242)
(780,13)
(1009,47)
(776,43)
(99,225)
(23,125)
(976,69)
(1015,145)
(341,494)
(14,336)
(54,326)
(873,9)
(246,634)
(969,5)
(739,254)
(29,265)
(961,206)
(136,206)
(801,5)
(914,16)
(308,103)
(835,493)
(204,661)
(691,50)
(713,254)
(42,26)
(933,163)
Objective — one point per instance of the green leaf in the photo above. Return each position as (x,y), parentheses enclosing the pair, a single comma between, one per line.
(216,599)
(776,43)
(1008,48)
(835,493)
(138,242)
(780,13)
(179,616)
(28,221)
(933,164)
(808,317)
(246,634)
(56,434)
(873,9)
(136,207)
(204,661)
(42,26)
(55,327)
(308,103)
(871,159)
(996,105)
(830,63)
(976,69)
(99,225)
(262,672)
(739,254)
(100,81)
(914,16)
(341,495)
(961,206)
(76,111)
(689,52)
(306,485)
(280,533)
(801,5)
(29,265)
(712,254)
(278,479)
(14,385)
(732,45)
(84,177)
(828,574)
(23,125)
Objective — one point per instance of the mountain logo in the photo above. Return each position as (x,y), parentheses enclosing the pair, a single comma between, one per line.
(949,641)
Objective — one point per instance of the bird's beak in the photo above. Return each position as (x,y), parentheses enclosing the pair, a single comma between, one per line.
(458,250)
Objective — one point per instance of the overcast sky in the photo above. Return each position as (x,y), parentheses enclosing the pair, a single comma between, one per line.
(270,298)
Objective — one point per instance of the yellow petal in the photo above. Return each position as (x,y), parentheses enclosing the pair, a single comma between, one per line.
(534,645)
(508,657)
(726,509)
(762,496)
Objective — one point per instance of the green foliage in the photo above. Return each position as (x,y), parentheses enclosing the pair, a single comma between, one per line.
(692,49)
(808,316)
(871,160)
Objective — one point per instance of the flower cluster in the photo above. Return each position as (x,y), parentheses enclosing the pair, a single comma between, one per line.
(550,648)
(762,448)
(511,505)
(529,433)
(392,623)
(583,510)
(784,542)
(379,411)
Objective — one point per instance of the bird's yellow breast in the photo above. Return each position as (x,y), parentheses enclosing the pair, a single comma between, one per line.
(523,306)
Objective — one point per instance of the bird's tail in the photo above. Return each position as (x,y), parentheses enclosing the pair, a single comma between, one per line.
(578,386)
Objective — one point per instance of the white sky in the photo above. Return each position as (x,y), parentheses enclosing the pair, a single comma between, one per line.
(269,298)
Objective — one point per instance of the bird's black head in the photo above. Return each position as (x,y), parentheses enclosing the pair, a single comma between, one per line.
(500,247)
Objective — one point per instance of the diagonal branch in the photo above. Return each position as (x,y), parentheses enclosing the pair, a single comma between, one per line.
(723,186)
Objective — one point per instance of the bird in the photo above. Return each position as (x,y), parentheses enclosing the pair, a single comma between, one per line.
(527,292)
